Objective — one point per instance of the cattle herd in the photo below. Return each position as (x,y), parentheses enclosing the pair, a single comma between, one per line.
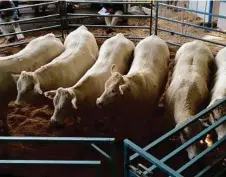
(79,77)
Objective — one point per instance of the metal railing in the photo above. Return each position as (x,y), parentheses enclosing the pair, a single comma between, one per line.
(95,15)
(91,141)
(64,23)
(56,18)
(183,23)
(158,163)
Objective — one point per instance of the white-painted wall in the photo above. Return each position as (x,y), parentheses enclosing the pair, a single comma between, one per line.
(202,6)
(222,11)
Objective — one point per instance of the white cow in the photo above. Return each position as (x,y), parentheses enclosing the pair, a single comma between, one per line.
(188,89)
(116,50)
(219,92)
(37,53)
(64,71)
(145,81)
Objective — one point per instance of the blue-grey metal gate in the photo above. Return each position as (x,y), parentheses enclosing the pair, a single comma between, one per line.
(78,140)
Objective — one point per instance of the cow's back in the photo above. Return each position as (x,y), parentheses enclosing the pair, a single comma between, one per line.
(37,53)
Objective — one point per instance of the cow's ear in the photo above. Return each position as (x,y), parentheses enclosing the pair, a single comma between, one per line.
(15,77)
(50,94)
(113,68)
(74,103)
(123,88)
(37,89)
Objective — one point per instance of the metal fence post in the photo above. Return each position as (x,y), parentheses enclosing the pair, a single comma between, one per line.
(61,12)
(156,17)
(66,17)
(151,14)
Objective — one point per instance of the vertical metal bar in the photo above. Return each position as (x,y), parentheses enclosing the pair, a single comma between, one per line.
(210,12)
(151,14)
(204,20)
(66,18)
(61,11)
(156,17)
(126,159)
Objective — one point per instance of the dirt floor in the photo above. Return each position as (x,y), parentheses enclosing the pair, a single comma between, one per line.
(33,120)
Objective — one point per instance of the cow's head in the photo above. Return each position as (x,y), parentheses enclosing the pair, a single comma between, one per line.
(189,132)
(215,115)
(63,104)
(28,87)
(115,87)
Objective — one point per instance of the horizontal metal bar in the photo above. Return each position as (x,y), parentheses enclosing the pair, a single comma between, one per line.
(33,30)
(189,142)
(192,37)
(183,125)
(14,44)
(211,166)
(109,2)
(56,21)
(171,43)
(151,158)
(97,15)
(30,19)
(190,24)
(19,43)
(101,151)
(27,6)
(105,26)
(50,162)
(190,10)
(203,153)
(54,139)
(128,37)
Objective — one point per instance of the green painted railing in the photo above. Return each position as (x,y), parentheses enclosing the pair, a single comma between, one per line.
(95,163)
(158,163)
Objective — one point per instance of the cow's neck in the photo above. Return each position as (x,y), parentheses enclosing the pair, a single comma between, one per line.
(136,85)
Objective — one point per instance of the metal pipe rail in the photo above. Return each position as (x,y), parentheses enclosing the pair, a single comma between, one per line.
(182,126)
(110,2)
(192,37)
(130,145)
(116,26)
(104,26)
(90,141)
(157,17)
(97,15)
(188,143)
(27,6)
(32,20)
(33,30)
(190,10)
